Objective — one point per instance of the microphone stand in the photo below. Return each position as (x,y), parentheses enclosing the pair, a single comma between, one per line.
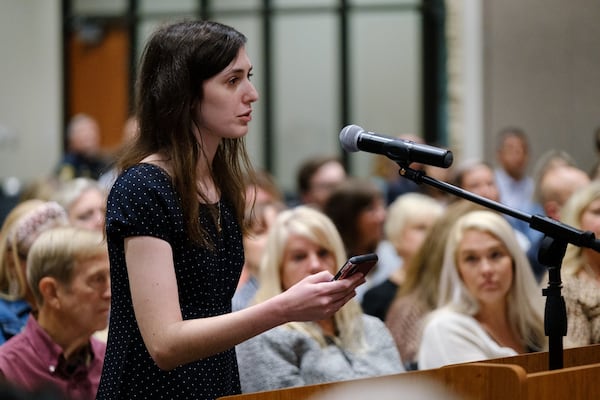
(554,244)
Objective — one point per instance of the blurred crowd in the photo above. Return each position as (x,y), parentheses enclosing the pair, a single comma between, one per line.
(456,281)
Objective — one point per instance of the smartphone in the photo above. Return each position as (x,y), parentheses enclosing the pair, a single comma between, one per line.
(362,263)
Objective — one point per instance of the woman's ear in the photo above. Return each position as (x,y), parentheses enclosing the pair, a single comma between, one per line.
(48,287)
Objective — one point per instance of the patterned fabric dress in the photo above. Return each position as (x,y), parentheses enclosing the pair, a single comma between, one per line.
(582,299)
(143,202)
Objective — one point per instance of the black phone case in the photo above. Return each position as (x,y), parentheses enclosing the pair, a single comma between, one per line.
(361,263)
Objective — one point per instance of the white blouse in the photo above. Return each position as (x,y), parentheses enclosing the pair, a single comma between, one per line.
(450,337)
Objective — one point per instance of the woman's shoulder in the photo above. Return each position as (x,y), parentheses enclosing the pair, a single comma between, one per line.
(581,289)
(375,327)
(141,177)
(146,170)
(452,327)
(450,314)
(141,196)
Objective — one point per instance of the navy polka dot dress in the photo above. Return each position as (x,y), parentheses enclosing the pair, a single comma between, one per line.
(143,202)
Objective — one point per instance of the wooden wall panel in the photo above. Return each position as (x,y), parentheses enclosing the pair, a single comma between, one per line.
(98,82)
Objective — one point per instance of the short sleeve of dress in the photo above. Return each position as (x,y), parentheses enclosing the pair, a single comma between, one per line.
(142,202)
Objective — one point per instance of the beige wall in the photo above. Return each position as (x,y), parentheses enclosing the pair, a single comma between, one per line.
(535,65)
(542,72)
(30,87)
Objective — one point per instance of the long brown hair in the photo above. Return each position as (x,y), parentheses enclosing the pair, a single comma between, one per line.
(177,59)
(344,206)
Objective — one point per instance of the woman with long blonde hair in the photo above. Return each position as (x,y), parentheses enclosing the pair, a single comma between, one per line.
(581,269)
(489,304)
(348,345)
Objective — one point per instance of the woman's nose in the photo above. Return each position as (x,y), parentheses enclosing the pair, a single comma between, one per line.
(251,95)
(315,264)
(486,266)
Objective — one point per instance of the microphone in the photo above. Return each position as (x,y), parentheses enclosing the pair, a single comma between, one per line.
(354,138)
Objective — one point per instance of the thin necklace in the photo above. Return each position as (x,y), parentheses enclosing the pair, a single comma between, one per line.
(218,210)
(219,216)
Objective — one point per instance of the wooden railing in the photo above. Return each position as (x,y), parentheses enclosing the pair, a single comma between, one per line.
(520,377)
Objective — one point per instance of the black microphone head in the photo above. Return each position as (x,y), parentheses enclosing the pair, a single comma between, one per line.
(349,137)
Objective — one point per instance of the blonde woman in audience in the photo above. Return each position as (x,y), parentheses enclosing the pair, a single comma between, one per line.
(418,295)
(84,199)
(489,302)
(349,345)
(264,200)
(261,218)
(407,221)
(21,227)
(581,269)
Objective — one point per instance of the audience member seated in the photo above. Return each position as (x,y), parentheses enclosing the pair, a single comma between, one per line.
(350,345)
(85,202)
(261,189)
(581,269)
(357,208)
(556,184)
(548,160)
(83,156)
(317,177)
(261,217)
(20,229)
(516,187)
(68,272)
(442,175)
(84,199)
(477,176)
(408,219)
(489,302)
(418,295)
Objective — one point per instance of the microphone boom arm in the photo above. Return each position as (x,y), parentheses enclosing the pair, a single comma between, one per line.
(541,223)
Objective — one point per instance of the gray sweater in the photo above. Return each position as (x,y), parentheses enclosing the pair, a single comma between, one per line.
(282,357)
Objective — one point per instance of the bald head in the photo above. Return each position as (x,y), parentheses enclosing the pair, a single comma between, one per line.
(557,185)
(84,135)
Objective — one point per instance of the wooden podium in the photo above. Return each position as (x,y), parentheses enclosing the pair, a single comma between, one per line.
(520,377)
